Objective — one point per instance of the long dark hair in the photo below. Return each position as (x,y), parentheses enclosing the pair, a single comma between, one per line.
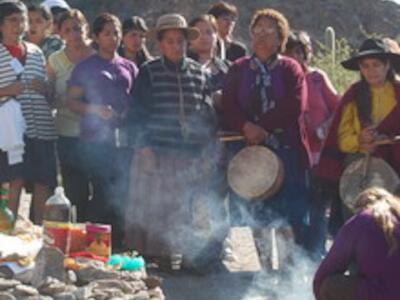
(363,95)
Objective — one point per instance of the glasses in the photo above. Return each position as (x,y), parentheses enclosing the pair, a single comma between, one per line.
(229,18)
(258,30)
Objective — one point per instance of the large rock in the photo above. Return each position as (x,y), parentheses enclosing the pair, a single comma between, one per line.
(49,263)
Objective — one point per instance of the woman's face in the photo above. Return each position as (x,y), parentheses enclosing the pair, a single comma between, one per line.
(133,40)
(173,45)
(265,37)
(207,39)
(39,27)
(13,27)
(226,24)
(374,70)
(73,32)
(109,38)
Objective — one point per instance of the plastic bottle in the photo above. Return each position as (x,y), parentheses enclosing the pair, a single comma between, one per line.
(7,218)
(57,207)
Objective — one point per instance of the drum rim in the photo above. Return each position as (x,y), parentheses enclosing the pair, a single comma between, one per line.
(275,186)
(358,161)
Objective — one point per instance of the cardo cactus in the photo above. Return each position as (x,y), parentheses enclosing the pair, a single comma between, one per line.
(330,42)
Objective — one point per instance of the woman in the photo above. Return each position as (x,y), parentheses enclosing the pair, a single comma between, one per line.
(321,103)
(322,97)
(40,30)
(99,89)
(203,50)
(174,127)
(23,77)
(73,29)
(133,46)
(369,110)
(369,242)
(226,15)
(264,99)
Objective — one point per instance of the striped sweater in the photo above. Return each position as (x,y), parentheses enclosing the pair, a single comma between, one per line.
(35,109)
(171,106)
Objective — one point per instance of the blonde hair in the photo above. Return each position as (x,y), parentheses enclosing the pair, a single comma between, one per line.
(385,209)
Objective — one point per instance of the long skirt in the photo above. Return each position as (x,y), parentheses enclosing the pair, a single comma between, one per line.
(164,215)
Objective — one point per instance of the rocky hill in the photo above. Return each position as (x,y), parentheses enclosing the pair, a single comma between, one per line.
(352,19)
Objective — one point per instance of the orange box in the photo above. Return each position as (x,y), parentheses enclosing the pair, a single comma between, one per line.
(98,239)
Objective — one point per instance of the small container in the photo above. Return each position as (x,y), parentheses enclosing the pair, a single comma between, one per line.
(98,239)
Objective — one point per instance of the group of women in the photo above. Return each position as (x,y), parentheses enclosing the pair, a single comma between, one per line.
(138,135)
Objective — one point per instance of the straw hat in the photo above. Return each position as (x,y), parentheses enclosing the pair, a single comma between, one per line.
(173,21)
(375,48)
(55,3)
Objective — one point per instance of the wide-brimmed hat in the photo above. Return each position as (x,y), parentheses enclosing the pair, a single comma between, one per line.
(375,48)
(173,21)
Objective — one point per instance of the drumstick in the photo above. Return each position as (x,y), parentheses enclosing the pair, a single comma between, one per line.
(233,138)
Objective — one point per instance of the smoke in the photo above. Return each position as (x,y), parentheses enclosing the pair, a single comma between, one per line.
(292,280)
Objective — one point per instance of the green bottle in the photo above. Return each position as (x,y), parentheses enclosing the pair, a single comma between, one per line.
(7,218)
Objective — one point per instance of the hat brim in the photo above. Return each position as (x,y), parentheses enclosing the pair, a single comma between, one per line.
(353,63)
(191,32)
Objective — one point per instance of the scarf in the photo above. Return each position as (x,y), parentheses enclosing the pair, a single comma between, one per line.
(263,81)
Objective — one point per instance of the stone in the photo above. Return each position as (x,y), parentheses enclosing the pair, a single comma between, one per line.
(83,293)
(7,296)
(156,294)
(49,263)
(71,277)
(91,273)
(6,284)
(25,291)
(64,296)
(51,286)
(142,295)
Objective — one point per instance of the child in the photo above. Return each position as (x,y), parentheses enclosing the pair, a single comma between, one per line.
(23,78)
(40,28)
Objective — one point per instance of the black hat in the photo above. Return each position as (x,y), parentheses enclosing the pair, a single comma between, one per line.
(375,48)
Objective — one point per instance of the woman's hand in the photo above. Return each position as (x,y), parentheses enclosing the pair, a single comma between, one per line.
(366,139)
(105,112)
(367,135)
(254,134)
(39,86)
(14,89)
(146,160)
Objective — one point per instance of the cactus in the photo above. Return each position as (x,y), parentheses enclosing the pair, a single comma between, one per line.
(330,42)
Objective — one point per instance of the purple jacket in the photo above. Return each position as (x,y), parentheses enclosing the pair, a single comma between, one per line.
(288,90)
(362,242)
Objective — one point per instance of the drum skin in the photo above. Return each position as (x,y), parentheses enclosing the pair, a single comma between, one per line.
(353,182)
(255,173)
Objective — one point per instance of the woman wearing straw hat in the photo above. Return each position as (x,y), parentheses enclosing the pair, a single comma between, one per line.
(173,129)
(369,110)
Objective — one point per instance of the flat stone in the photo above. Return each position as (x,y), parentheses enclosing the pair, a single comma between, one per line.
(83,293)
(7,296)
(25,290)
(142,295)
(6,284)
(51,286)
(64,296)
(90,274)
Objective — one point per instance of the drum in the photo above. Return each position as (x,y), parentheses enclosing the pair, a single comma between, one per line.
(255,173)
(365,173)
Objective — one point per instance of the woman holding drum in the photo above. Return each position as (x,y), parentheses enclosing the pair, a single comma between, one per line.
(369,112)
(264,99)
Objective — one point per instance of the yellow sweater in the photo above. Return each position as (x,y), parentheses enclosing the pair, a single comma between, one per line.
(383,101)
